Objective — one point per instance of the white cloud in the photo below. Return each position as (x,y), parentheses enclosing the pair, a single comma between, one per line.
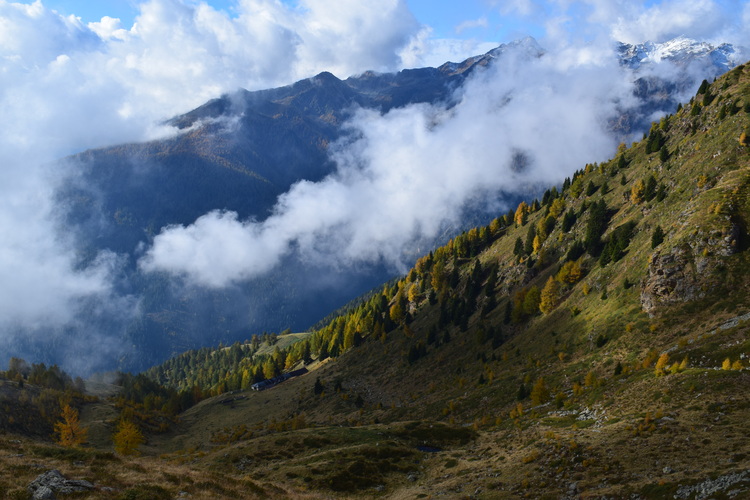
(471,24)
(66,87)
(412,170)
(661,22)
(423,50)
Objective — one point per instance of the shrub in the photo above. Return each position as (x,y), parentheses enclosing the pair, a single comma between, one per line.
(661,364)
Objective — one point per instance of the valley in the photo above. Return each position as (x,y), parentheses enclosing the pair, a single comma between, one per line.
(591,343)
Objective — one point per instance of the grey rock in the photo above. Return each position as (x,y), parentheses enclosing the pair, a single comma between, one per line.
(46,485)
(709,488)
(671,279)
(44,493)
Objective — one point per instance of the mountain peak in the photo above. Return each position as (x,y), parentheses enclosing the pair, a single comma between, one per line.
(681,50)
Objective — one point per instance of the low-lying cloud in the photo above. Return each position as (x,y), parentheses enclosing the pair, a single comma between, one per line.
(410,172)
(66,86)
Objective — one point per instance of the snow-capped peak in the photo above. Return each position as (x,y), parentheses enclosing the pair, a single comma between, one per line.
(678,50)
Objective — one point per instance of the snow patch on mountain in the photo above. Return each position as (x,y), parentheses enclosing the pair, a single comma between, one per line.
(681,51)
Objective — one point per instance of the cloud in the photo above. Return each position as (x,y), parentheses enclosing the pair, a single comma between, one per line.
(634,22)
(698,19)
(425,51)
(471,24)
(410,172)
(66,87)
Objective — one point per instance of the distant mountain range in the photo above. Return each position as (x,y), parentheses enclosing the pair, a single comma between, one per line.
(242,150)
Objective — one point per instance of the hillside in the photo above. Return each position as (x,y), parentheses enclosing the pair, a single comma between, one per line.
(594,343)
(620,381)
(240,152)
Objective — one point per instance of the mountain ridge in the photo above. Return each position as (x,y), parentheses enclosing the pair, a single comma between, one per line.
(239,153)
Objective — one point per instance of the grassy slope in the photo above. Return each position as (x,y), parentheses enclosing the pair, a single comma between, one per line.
(620,434)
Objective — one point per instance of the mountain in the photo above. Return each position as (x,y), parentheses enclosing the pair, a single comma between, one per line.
(240,152)
(683,51)
(592,343)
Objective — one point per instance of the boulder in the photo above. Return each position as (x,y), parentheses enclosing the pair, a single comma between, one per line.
(46,485)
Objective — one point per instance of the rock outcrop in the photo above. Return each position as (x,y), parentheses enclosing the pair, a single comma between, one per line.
(672,278)
(46,485)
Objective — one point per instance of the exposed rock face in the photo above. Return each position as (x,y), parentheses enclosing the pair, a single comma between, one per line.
(672,278)
(46,485)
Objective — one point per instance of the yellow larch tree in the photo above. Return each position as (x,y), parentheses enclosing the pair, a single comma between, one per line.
(69,431)
(550,296)
(661,364)
(128,438)
(637,192)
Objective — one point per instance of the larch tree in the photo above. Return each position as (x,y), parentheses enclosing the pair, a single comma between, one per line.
(637,192)
(539,393)
(69,431)
(128,438)
(550,296)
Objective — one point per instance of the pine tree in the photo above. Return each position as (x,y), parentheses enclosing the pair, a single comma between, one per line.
(69,431)
(529,245)
(650,191)
(663,154)
(128,438)
(657,237)
(569,219)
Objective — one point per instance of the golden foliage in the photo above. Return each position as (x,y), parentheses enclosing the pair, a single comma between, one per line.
(661,364)
(536,244)
(69,431)
(637,192)
(557,207)
(539,393)
(517,412)
(571,272)
(550,296)
(591,380)
(128,438)
(521,212)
